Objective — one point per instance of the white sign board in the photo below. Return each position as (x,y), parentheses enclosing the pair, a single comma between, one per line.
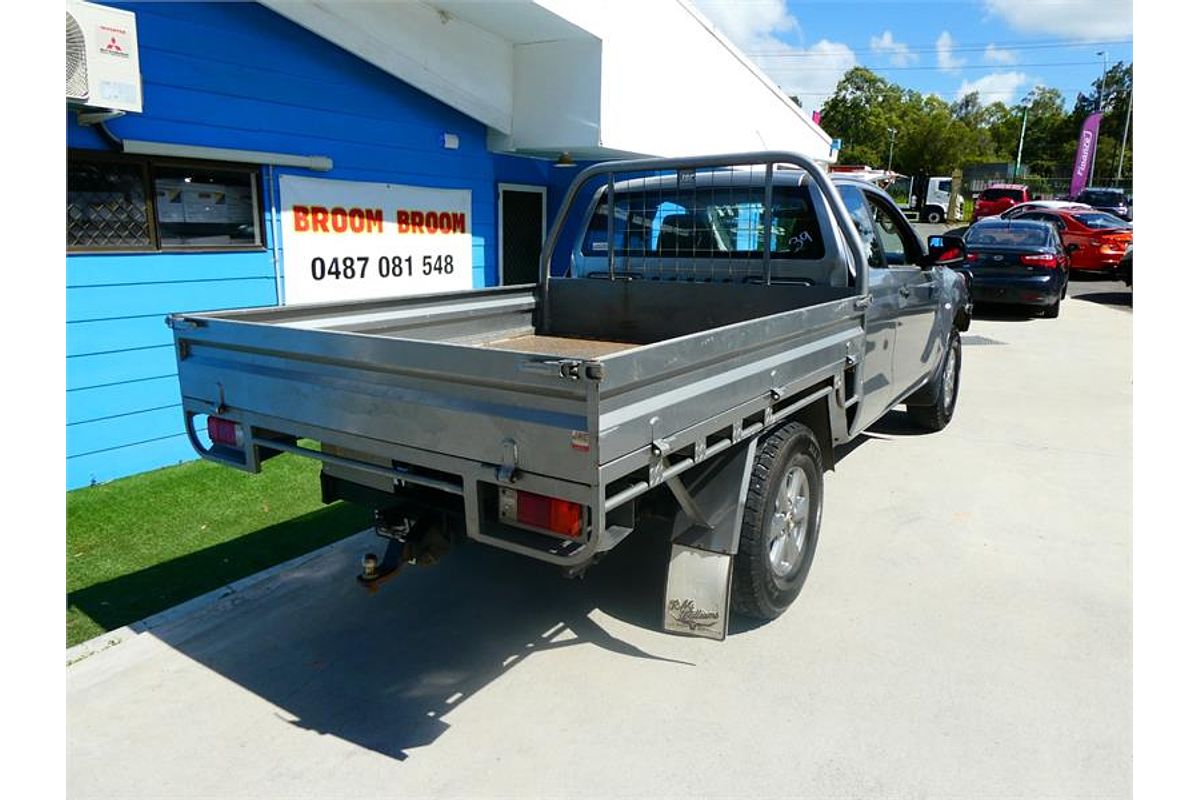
(346,240)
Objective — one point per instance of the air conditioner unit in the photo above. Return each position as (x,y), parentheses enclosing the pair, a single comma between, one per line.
(102,57)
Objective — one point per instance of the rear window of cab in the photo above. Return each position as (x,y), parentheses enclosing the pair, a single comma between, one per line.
(717,222)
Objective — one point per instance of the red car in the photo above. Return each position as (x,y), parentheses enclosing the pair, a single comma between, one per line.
(999,197)
(1100,238)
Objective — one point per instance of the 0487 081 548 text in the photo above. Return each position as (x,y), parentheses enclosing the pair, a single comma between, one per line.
(357,267)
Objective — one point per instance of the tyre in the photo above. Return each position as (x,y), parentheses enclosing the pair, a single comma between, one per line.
(1050,312)
(937,416)
(780,524)
(934,216)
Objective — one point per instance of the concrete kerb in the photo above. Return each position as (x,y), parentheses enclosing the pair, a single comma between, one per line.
(218,600)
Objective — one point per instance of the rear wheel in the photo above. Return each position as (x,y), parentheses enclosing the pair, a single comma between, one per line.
(937,416)
(934,215)
(780,525)
(1050,312)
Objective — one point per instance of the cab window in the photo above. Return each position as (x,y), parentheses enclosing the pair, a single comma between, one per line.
(864,221)
(898,245)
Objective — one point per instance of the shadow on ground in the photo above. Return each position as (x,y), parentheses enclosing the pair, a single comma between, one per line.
(1104,294)
(381,669)
(1120,299)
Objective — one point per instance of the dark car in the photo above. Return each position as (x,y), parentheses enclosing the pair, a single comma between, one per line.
(1020,262)
(1113,201)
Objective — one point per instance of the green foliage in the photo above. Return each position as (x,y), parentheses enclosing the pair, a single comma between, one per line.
(934,137)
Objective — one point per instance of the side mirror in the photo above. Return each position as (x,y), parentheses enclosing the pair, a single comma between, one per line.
(946,251)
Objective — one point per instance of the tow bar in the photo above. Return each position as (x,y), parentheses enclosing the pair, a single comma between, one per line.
(410,540)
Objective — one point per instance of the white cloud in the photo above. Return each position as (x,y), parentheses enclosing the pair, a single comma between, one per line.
(995,55)
(753,25)
(756,26)
(945,53)
(1073,19)
(900,55)
(999,87)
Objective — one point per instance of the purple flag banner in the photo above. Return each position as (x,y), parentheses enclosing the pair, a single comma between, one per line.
(1085,153)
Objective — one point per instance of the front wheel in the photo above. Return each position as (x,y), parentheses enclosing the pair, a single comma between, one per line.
(933,215)
(937,416)
(780,524)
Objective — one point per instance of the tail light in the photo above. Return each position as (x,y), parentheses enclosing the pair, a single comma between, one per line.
(224,431)
(551,514)
(972,256)
(1040,260)
(1113,244)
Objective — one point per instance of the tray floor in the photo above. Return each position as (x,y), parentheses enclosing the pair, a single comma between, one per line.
(559,346)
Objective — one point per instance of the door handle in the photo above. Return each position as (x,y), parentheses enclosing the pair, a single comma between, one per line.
(905,291)
(863,303)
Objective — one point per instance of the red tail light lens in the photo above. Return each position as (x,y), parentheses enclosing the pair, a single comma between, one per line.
(972,256)
(1042,260)
(545,513)
(224,431)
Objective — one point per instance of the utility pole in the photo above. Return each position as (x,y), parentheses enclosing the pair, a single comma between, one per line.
(891,147)
(1099,109)
(1021,143)
(1125,135)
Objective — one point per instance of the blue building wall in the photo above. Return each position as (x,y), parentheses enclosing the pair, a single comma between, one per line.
(237,75)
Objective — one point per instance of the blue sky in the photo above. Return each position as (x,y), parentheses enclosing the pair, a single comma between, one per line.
(1002,48)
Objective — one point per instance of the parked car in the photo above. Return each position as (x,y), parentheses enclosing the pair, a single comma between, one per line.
(999,197)
(1100,238)
(1017,262)
(1114,201)
(1021,208)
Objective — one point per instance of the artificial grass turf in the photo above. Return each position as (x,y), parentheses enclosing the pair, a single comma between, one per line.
(141,544)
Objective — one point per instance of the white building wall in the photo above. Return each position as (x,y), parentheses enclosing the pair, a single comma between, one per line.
(673,85)
(557,95)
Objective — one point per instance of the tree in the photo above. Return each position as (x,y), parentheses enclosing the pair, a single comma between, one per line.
(861,110)
(934,137)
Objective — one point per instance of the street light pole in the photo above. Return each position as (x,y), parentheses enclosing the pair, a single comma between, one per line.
(1125,135)
(1021,143)
(891,147)
(1099,109)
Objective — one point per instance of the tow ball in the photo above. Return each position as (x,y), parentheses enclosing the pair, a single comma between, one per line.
(409,541)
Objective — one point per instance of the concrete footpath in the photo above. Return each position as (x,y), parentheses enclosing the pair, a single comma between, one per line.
(965,632)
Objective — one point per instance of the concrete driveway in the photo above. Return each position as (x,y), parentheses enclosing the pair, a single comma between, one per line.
(965,632)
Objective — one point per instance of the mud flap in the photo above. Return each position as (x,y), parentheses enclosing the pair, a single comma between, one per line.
(698,584)
(712,500)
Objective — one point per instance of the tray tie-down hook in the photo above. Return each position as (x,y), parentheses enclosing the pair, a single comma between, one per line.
(507,471)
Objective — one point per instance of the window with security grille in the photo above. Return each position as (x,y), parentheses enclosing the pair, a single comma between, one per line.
(123,203)
(106,206)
